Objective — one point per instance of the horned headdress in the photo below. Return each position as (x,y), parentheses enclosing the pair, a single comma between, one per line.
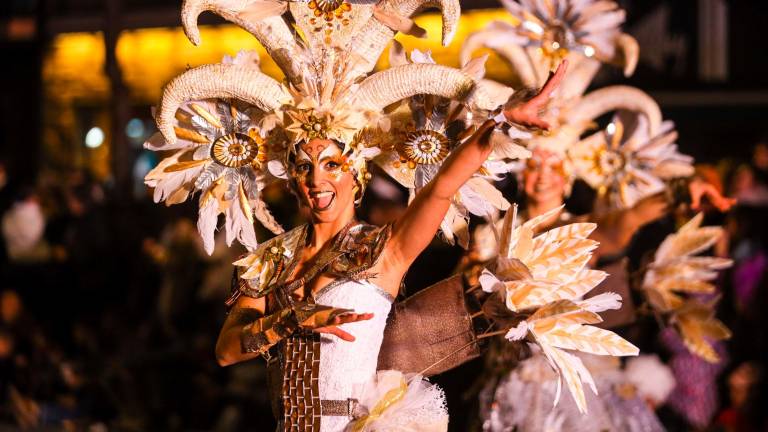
(631,158)
(232,126)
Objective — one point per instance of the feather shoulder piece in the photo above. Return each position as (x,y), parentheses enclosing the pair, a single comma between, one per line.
(269,264)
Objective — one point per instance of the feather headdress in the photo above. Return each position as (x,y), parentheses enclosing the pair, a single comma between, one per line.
(543,278)
(625,164)
(587,33)
(416,141)
(540,34)
(327,50)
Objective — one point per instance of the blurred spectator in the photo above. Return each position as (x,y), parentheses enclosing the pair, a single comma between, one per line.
(747,188)
(747,393)
(23,226)
(695,397)
(183,269)
(760,160)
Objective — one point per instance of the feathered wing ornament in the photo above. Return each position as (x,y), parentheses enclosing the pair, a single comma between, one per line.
(698,328)
(221,154)
(543,278)
(625,164)
(416,141)
(678,275)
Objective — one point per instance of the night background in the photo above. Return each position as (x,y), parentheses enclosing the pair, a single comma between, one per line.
(109,320)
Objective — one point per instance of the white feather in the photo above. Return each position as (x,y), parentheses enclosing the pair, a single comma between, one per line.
(490,283)
(207,220)
(277,169)
(238,226)
(517,333)
(602,302)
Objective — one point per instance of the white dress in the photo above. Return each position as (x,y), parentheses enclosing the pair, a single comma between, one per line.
(345,367)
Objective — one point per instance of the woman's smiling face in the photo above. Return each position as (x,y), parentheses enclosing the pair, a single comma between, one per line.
(324,183)
(544,177)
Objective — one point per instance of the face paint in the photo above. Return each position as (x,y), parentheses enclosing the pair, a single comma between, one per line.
(324,184)
(313,154)
(544,177)
(537,162)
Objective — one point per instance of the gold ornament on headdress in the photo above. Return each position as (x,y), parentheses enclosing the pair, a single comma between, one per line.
(222,155)
(625,163)
(326,12)
(424,147)
(305,125)
(327,6)
(235,150)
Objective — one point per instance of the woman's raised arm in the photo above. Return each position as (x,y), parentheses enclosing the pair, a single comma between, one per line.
(413,232)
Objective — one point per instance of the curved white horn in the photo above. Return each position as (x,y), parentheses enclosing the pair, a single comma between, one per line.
(271,31)
(218,81)
(581,71)
(191,9)
(612,98)
(449,9)
(511,53)
(395,84)
(630,51)
(375,35)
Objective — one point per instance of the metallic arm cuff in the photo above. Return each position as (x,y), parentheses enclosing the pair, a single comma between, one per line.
(262,334)
(310,315)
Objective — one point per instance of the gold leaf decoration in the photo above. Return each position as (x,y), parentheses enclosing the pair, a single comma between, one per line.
(589,339)
(545,276)
(676,274)
(424,147)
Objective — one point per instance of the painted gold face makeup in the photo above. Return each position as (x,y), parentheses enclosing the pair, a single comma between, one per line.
(544,177)
(539,163)
(323,179)
(318,153)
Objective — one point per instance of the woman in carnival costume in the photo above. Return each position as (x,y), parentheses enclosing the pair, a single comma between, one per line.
(314,301)
(637,172)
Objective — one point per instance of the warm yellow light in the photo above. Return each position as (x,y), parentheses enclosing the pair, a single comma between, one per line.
(74,73)
(149,58)
(471,21)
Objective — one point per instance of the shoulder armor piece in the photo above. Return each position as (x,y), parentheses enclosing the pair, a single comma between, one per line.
(265,267)
(360,249)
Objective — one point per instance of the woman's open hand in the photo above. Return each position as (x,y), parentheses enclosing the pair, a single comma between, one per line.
(343,319)
(529,113)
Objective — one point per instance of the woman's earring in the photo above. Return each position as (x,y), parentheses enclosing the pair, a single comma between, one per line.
(358,196)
